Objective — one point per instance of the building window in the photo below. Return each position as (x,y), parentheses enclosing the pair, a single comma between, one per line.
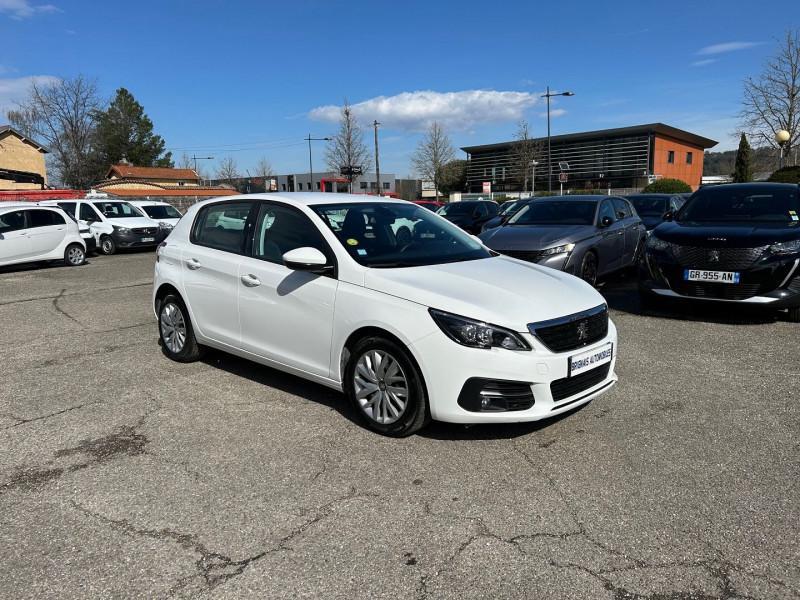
(362,185)
(671,157)
(283,187)
(688,158)
(181,183)
(386,185)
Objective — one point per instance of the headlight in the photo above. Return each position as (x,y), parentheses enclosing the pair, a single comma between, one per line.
(477,334)
(657,243)
(165,226)
(785,247)
(122,230)
(566,248)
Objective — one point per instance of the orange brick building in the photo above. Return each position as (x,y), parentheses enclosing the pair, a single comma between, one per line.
(623,158)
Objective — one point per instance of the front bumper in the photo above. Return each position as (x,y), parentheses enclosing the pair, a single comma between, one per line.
(535,384)
(772,282)
(139,239)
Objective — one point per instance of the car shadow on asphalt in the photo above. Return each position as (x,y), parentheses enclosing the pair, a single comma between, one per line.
(622,294)
(337,401)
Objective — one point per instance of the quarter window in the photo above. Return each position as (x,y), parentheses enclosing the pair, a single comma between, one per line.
(222,226)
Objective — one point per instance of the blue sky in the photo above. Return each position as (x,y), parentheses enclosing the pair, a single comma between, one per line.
(252,79)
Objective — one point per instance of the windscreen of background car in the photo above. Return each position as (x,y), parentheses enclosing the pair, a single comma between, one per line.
(117,210)
(387,235)
(649,206)
(158,211)
(555,212)
(764,205)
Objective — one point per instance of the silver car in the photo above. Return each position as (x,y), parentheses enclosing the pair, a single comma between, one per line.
(587,236)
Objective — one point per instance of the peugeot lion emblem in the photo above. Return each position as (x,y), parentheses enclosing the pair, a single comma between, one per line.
(583,331)
(713,256)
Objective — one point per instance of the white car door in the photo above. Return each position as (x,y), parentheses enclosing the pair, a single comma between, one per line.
(210,267)
(15,242)
(286,315)
(47,232)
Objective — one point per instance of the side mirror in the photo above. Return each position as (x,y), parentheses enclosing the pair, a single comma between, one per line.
(606,221)
(307,259)
(668,216)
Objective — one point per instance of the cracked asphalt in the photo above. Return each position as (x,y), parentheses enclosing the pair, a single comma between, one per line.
(125,475)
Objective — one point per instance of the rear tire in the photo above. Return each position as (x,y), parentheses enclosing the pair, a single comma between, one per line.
(107,245)
(385,388)
(74,255)
(175,331)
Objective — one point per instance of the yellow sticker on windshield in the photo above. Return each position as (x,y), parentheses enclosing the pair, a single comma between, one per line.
(352,242)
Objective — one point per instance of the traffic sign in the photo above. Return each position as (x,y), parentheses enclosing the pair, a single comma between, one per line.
(562,178)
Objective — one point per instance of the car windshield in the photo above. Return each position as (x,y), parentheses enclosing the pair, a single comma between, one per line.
(161,211)
(649,206)
(457,208)
(117,210)
(555,212)
(509,207)
(748,204)
(391,234)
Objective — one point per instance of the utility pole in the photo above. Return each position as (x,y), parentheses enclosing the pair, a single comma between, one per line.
(196,158)
(377,164)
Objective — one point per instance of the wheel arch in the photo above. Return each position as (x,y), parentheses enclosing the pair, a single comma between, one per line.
(163,291)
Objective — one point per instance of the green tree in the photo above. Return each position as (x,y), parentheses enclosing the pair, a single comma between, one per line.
(667,186)
(743,172)
(124,131)
(454,176)
(789,174)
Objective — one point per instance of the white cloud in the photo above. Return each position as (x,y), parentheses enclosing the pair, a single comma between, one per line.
(22,9)
(703,63)
(454,111)
(727,47)
(17,89)
(554,113)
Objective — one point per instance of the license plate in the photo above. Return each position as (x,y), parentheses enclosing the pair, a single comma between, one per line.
(711,276)
(586,361)
(148,240)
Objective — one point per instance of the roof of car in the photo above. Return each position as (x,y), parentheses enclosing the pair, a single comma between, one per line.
(307,198)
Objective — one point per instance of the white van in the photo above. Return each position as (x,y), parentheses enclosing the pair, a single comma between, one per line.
(115,224)
(163,212)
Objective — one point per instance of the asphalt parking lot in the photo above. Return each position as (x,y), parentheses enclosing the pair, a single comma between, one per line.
(123,474)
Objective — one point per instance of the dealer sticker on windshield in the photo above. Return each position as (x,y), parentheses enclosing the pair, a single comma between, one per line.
(585,361)
(711,276)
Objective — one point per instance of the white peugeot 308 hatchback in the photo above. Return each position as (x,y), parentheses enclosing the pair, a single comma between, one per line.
(425,325)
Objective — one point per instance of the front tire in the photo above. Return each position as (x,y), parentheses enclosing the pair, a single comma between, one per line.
(74,255)
(175,331)
(107,245)
(589,269)
(385,388)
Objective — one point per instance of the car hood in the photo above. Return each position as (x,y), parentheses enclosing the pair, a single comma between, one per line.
(131,222)
(499,290)
(533,237)
(723,235)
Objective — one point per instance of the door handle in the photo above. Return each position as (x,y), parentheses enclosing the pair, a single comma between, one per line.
(193,264)
(250,280)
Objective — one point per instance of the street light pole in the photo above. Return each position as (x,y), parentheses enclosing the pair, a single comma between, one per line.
(310,169)
(781,137)
(377,164)
(548,95)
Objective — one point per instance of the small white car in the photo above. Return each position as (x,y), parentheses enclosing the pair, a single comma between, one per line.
(432,327)
(163,212)
(33,233)
(115,224)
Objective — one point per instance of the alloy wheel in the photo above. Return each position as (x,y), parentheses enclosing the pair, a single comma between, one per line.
(381,387)
(173,327)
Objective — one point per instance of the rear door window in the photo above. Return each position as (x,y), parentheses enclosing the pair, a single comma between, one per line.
(222,226)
